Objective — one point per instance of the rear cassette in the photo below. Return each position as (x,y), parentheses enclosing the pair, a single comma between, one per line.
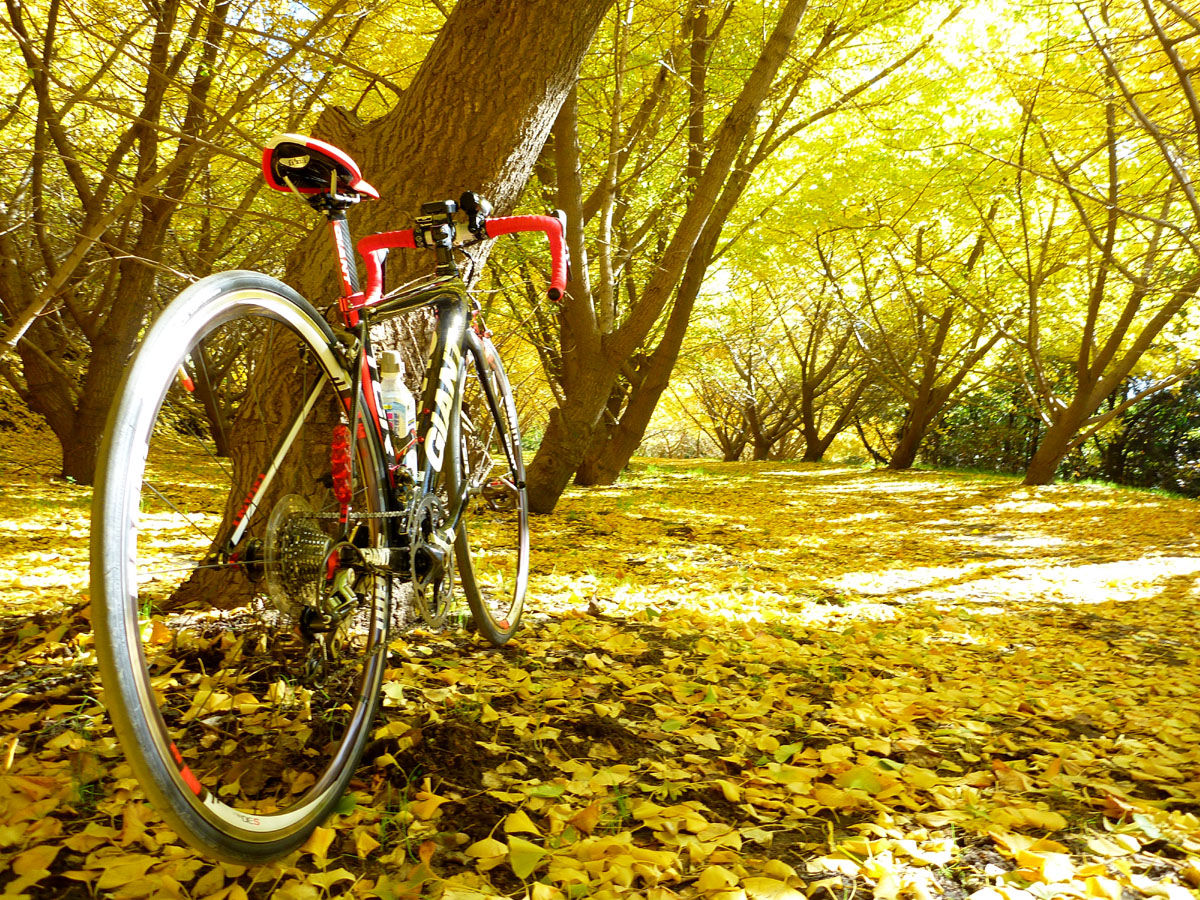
(297,552)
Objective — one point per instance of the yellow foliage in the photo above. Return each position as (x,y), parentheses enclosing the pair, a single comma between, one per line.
(715,724)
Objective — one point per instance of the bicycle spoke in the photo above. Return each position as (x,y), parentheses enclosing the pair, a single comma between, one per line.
(179,512)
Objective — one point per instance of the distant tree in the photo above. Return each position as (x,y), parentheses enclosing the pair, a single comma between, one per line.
(718,412)
(751,401)
(776,370)
(129,172)
(1118,143)
(994,427)
(831,372)
(1155,443)
(926,311)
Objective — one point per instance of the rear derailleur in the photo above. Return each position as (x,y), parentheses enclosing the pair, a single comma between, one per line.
(321,625)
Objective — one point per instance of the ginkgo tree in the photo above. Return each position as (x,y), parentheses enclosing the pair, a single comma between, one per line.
(776,368)
(598,344)
(1108,253)
(131,147)
(652,213)
(927,316)
(749,386)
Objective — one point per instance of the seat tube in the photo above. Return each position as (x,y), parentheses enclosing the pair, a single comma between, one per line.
(343,249)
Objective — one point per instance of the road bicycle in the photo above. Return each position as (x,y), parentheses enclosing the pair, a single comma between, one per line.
(257,534)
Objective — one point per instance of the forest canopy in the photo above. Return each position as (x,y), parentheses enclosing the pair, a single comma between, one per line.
(889,232)
(963,234)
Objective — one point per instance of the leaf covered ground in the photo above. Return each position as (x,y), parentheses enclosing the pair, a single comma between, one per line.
(759,681)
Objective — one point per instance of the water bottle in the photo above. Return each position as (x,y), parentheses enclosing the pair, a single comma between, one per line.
(399,407)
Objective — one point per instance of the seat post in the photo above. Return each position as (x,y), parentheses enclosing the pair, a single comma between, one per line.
(343,248)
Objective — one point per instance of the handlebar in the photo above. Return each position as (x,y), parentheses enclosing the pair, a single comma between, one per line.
(374,250)
(555,228)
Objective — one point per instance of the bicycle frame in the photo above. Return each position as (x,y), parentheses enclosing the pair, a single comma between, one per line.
(459,332)
(459,327)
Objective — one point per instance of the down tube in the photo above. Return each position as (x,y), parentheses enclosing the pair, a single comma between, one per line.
(441,400)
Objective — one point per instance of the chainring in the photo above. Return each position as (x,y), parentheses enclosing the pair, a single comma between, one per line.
(431,557)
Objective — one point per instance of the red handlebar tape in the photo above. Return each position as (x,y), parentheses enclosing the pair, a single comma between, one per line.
(554,231)
(373,249)
(374,246)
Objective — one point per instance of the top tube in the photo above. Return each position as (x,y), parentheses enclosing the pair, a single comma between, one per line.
(426,292)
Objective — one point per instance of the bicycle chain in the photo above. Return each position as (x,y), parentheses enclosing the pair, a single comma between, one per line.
(356,517)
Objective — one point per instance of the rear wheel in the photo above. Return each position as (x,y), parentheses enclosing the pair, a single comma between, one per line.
(493,537)
(240,626)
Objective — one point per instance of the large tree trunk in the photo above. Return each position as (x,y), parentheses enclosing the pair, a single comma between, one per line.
(613,446)
(1060,437)
(1055,444)
(449,133)
(920,416)
(474,118)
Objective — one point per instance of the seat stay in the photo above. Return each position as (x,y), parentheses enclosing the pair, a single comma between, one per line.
(262,482)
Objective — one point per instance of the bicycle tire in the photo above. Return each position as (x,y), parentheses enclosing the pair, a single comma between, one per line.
(492,542)
(241,734)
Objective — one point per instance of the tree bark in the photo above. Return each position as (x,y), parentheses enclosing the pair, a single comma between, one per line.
(916,423)
(1056,442)
(615,440)
(445,135)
